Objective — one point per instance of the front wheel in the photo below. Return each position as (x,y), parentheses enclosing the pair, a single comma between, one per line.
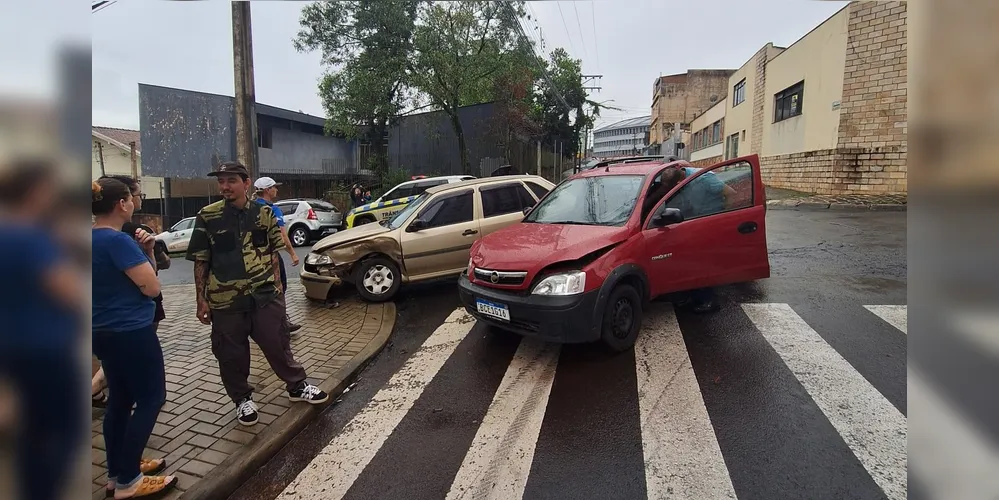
(299,236)
(377,279)
(622,318)
(362,220)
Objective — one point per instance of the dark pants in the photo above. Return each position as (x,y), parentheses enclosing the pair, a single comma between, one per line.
(133,366)
(284,275)
(49,436)
(231,334)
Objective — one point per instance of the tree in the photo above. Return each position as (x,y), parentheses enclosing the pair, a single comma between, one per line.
(461,50)
(566,80)
(366,45)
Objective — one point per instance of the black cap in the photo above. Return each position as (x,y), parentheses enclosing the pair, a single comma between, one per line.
(231,167)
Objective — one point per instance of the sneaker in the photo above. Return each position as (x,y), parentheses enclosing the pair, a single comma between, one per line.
(246,412)
(292,328)
(310,394)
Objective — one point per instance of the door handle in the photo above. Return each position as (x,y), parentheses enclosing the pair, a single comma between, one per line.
(469,232)
(747,227)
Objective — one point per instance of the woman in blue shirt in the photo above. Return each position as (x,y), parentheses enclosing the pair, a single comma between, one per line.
(124,339)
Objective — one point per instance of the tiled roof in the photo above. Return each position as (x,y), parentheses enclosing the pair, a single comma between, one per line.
(121,135)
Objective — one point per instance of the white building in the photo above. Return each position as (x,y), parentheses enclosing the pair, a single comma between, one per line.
(626,137)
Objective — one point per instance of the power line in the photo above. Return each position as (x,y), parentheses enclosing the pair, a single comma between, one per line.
(101,5)
(596,46)
(567,35)
(582,39)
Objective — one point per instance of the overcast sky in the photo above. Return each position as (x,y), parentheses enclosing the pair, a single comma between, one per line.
(189,45)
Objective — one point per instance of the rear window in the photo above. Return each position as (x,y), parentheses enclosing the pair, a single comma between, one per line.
(504,199)
(287,208)
(321,206)
(606,200)
(539,190)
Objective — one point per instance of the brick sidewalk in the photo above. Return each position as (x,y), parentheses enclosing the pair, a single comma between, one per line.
(844,201)
(196,429)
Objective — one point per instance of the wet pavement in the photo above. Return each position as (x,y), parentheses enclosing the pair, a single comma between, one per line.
(796,388)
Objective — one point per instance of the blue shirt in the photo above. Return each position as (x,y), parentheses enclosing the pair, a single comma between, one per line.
(278,214)
(32,317)
(118,305)
(702,196)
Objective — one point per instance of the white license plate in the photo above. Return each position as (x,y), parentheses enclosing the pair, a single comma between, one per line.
(498,311)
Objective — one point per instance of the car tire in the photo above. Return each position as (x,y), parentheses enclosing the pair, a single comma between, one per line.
(622,319)
(370,279)
(362,220)
(300,236)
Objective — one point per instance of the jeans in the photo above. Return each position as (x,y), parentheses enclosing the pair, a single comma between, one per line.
(45,380)
(133,366)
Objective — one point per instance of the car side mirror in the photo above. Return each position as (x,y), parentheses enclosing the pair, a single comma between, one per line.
(667,217)
(527,210)
(416,225)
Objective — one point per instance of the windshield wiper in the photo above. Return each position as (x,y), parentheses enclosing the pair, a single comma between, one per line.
(576,222)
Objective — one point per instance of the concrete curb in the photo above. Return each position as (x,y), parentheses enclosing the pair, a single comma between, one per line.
(228,476)
(813,205)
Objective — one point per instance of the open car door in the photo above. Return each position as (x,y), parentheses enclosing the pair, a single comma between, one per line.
(723,231)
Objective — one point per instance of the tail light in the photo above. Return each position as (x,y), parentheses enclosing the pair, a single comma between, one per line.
(312,215)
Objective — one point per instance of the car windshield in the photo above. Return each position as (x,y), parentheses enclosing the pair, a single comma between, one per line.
(606,200)
(400,218)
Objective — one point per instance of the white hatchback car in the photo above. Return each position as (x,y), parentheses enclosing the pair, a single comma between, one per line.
(176,238)
(309,219)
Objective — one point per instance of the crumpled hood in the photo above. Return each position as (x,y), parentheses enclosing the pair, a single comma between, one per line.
(532,247)
(350,235)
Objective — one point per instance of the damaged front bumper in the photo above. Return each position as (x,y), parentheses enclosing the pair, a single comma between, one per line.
(318,281)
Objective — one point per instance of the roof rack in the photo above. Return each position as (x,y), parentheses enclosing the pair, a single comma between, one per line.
(629,159)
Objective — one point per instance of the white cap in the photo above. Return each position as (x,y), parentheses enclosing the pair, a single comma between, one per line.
(264,183)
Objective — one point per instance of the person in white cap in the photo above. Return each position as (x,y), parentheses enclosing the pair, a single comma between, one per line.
(267,192)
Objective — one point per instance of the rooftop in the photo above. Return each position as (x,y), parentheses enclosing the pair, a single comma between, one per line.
(120,137)
(627,122)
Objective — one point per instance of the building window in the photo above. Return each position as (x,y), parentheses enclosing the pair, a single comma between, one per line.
(732,146)
(716,132)
(739,93)
(787,103)
(265,138)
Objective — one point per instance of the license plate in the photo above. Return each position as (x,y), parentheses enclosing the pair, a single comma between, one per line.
(492,309)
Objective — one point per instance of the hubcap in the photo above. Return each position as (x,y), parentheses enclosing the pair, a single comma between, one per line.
(622,317)
(299,237)
(378,279)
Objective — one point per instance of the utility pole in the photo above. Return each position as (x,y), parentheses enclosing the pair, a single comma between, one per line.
(245,98)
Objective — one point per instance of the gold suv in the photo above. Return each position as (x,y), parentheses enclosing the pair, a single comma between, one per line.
(428,239)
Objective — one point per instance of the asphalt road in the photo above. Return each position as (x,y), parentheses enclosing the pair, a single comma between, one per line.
(796,388)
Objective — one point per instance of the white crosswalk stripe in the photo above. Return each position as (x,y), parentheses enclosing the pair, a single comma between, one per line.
(680,446)
(896,316)
(499,459)
(336,468)
(873,429)
(682,458)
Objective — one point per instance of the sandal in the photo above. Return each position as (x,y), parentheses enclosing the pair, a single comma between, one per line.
(146,466)
(150,487)
(99,399)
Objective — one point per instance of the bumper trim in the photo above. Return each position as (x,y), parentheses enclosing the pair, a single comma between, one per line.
(565,319)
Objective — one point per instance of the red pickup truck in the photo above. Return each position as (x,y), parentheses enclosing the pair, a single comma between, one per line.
(587,259)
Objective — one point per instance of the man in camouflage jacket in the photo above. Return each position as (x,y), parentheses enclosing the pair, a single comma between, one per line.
(234,247)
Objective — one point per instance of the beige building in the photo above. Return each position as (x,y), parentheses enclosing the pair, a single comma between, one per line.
(112,150)
(708,134)
(826,114)
(679,98)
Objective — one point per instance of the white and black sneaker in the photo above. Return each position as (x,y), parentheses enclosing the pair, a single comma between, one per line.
(308,393)
(246,412)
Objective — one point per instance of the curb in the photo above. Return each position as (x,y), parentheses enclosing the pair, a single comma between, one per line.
(812,205)
(228,476)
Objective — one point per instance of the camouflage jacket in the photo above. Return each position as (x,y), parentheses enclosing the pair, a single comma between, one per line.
(238,245)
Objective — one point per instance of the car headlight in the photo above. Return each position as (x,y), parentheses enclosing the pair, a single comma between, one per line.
(315,259)
(570,283)
(470,269)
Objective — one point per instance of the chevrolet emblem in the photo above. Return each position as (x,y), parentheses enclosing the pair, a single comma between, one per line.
(494,277)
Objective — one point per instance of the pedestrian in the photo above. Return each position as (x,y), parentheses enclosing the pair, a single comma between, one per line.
(234,247)
(124,339)
(98,382)
(266,194)
(40,309)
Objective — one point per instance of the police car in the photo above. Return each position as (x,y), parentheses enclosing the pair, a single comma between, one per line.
(396,199)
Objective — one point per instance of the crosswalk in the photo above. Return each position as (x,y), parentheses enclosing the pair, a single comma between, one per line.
(779,412)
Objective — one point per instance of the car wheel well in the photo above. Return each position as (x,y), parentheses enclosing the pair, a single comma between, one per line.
(373,255)
(364,217)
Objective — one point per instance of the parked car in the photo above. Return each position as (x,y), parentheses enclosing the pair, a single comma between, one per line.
(176,238)
(308,219)
(395,199)
(428,239)
(584,263)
